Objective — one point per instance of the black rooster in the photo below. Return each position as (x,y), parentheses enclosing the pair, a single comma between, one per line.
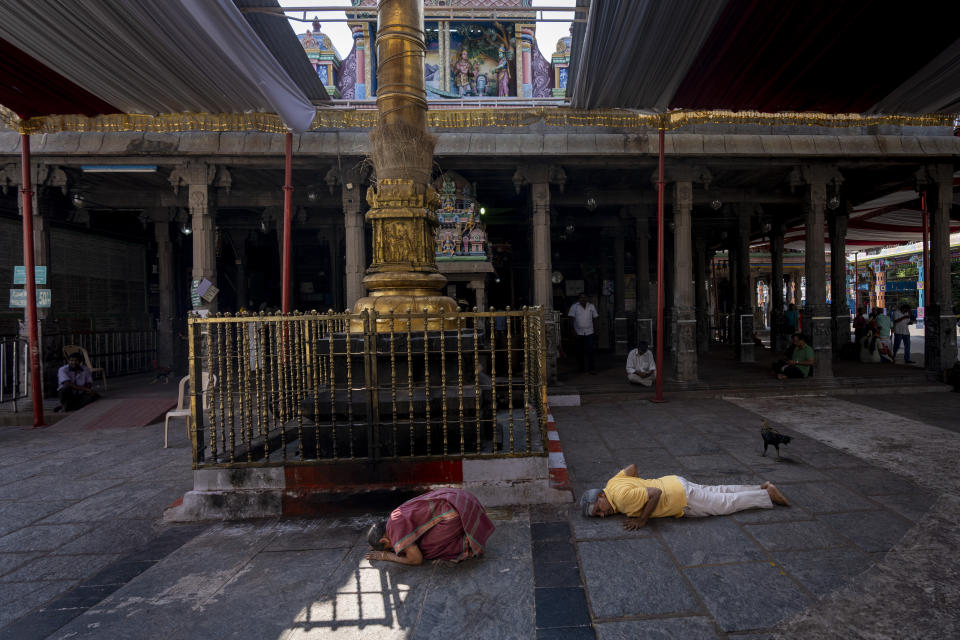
(772,437)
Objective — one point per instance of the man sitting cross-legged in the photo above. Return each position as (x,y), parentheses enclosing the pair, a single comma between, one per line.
(673,496)
(641,367)
(74,384)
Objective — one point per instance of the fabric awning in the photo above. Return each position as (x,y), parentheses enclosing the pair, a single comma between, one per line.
(892,219)
(145,57)
(831,56)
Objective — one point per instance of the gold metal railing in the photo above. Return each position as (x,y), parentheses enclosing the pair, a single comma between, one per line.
(304,388)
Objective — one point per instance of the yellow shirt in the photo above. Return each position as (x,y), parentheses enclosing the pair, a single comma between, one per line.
(627,494)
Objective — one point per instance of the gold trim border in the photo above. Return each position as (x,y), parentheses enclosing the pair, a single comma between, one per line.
(459,119)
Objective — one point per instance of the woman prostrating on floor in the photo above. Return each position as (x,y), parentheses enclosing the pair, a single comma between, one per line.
(445,524)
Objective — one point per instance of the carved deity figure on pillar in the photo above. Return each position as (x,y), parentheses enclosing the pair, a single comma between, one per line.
(462,72)
(503,73)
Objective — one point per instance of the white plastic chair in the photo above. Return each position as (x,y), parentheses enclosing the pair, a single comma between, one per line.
(70,349)
(183,404)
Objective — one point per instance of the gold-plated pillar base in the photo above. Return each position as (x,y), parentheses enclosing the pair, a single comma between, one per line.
(403,276)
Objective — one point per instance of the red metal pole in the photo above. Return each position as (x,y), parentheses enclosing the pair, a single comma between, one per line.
(26,192)
(660,187)
(287,218)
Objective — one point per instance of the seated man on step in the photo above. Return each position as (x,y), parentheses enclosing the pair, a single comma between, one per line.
(673,496)
(641,367)
(74,384)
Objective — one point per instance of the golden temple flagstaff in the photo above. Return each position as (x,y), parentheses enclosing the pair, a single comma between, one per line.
(403,275)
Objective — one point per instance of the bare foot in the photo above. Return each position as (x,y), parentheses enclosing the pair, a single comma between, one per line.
(776,496)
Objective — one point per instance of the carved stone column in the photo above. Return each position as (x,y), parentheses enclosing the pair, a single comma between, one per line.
(540,177)
(480,292)
(778,335)
(618,275)
(700,295)
(745,293)
(43,176)
(542,262)
(644,306)
(684,343)
(197,177)
(940,332)
(161,231)
(354,248)
(816,315)
(839,308)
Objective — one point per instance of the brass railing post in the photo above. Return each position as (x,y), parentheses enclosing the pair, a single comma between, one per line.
(370,349)
(195,346)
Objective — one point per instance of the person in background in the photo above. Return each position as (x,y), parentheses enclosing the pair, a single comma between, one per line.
(884,327)
(583,314)
(860,324)
(641,367)
(902,319)
(798,363)
(74,384)
(791,318)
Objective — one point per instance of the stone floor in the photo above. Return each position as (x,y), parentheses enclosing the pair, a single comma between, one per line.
(867,550)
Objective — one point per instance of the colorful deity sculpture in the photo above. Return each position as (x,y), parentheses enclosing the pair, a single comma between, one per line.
(461,234)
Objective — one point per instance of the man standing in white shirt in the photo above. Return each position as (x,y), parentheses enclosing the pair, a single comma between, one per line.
(641,367)
(902,319)
(583,314)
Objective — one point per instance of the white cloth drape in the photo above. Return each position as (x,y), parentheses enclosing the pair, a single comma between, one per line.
(158,56)
(656,40)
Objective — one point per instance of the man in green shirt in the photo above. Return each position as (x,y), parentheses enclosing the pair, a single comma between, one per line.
(798,366)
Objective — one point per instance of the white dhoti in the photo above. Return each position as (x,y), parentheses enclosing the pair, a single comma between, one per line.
(724,499)
(635,379)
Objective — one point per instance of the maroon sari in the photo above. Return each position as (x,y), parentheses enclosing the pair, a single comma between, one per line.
(449,524)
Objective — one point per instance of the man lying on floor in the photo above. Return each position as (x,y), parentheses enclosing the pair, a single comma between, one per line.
(673,496)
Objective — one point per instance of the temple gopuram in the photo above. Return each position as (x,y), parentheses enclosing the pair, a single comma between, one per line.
(466,57)
(323,57)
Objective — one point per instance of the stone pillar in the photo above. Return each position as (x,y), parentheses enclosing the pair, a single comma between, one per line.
(644,305)
(839,308)
(542,263)
(816,315)
(524,66)
(618,273)
(540,177)
(47,177)
(700,295)
(743,335)
(480,292)
(940,331)
(360,86)
(778,336)
(197,177)
(165,351)
(684,341)
(336,268)
(238,241)
(355,248)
